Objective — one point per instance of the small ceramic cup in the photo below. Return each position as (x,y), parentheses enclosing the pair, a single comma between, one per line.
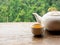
(37,29)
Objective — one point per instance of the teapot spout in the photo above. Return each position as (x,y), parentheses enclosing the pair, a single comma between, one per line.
(38,18)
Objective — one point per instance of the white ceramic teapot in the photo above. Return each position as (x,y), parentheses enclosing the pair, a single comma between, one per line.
(50,20)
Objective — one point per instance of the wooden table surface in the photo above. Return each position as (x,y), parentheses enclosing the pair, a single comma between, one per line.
(20,34)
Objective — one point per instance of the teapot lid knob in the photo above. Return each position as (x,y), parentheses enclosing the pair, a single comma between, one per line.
(52,9)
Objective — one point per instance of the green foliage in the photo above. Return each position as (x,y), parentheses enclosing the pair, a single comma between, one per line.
(21,10)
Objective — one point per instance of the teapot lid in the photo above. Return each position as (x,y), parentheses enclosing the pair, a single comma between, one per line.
(53,15)
(53,11)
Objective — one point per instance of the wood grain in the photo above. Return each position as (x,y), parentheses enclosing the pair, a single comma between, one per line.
(20,34)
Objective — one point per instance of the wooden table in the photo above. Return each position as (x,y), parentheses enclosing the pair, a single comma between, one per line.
(20,34)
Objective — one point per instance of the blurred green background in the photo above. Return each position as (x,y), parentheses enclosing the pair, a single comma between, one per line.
(21,10)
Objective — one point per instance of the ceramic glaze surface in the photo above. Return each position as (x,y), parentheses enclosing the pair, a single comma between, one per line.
(49,19)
